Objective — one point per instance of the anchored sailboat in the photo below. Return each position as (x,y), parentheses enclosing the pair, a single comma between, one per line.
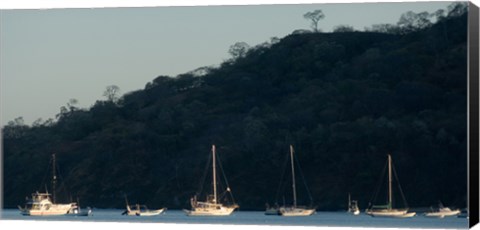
(212,206)
(41,204)
(293,210)
(141,210)
(387,210)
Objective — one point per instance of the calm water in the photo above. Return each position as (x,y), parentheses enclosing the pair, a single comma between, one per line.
(322,219)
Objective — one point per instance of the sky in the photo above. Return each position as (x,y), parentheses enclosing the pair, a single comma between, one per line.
(49,56)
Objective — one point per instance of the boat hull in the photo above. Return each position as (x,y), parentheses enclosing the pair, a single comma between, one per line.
(54,210)
(296,212)
(223,211)
(151,212)
(145,213)
(442,214)
(391,213)
(76,211)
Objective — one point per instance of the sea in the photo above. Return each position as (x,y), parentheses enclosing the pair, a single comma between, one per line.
(176,219)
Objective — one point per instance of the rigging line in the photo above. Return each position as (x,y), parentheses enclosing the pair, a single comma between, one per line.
(382,177)
(303,179)
(399,186)
(281,185)
(62,184)
(204,176)
(45,175)
(224,177)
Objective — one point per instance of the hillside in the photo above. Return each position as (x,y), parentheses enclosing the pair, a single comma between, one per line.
(343,100)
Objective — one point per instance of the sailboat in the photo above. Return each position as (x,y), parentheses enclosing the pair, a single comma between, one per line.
(387,210)
(211,206)
(294,210)
(42,204)
(353,206)
(141,210)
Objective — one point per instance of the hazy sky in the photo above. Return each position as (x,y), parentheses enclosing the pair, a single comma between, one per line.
(49,56)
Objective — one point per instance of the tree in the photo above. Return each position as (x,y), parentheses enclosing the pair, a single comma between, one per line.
(384,28)
(343,28)
(411,21)
(37,123)
(314,16)
(111,93)
(15,129)
(457,9)
(439,15)
(71,104)
(238,50)
(64,112)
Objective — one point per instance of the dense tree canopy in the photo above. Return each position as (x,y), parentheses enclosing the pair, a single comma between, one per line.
(343,100)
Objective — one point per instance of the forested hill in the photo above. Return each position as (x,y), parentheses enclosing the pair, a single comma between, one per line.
(344,100)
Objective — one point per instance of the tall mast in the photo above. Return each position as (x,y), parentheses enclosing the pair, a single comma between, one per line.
(349,202)
(389,181)
(54,178)
(293,178)
(214,177)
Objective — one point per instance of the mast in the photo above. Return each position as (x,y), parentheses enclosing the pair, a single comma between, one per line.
(214,177)
(389,181)
(349,203)
(54,178)
(293,179)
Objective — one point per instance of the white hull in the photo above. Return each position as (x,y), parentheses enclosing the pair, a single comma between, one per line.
(391,213)
(142,210)
(53,210)
(296,211)
(407,215)
(441,214)
(150,213)
(223,211)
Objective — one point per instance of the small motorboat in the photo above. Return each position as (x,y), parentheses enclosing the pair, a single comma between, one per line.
(442,212)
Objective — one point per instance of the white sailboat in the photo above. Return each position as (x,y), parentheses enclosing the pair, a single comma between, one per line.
(294,210)
(141,210)
(387,210)
(353,206)
(41,204)
(211,206)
